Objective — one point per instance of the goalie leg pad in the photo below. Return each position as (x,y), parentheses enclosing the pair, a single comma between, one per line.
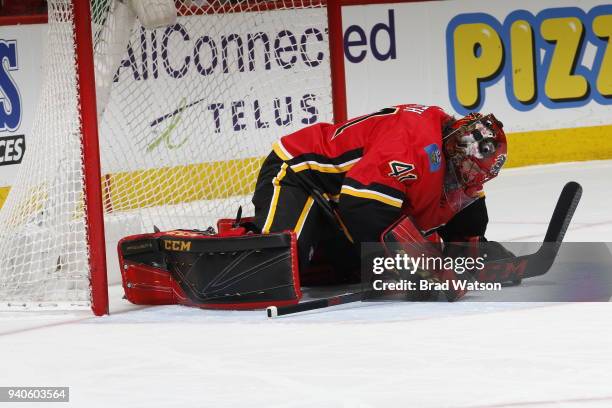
(221,271)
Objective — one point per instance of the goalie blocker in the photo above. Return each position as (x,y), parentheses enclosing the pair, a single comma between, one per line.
(226,270)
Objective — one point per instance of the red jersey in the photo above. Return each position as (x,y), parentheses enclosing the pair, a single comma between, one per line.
(379,165)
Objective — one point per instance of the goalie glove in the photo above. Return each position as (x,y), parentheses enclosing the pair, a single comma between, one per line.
(403,236)
(154,13)
(477,247)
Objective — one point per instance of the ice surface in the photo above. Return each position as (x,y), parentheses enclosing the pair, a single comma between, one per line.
(464,355)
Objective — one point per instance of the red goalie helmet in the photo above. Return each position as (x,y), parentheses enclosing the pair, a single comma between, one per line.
(476,148)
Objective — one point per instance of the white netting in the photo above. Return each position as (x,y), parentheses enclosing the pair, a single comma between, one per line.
(187,112)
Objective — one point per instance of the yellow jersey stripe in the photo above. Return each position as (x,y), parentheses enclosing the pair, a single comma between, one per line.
(305,211)
(372,195)
(280,151)
(272,210)
(324,168)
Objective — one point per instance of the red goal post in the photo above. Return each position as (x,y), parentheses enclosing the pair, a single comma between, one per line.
(91,158)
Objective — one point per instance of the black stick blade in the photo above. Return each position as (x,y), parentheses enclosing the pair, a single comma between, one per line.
(538,263)
(564,211)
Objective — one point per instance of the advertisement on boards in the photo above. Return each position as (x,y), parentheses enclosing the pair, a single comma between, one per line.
(21,49)
(539,66)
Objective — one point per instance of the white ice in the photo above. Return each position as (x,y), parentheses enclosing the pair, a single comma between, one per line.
(463,355)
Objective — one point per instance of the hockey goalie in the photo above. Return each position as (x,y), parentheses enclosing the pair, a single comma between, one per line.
(409,172)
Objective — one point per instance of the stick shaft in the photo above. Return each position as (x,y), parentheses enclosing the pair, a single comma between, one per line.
(315,304)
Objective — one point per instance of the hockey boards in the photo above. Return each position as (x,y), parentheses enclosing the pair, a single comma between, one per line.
(502,270)
(538,263)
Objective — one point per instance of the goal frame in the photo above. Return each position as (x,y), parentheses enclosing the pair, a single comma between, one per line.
(84,55)
(89,127)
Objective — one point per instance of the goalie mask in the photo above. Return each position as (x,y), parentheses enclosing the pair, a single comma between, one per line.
(476,149)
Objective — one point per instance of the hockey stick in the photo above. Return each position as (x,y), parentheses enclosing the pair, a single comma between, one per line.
(324,204)
(538,263)
(503,270)
(274,311)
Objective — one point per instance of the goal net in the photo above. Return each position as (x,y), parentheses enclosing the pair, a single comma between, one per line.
(186,113)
